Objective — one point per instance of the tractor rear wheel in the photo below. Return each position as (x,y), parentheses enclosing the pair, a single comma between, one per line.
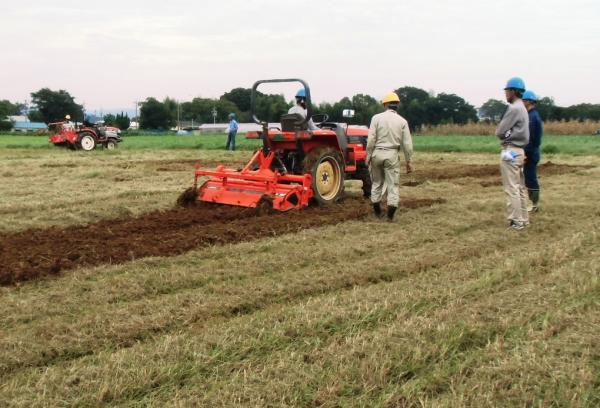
(86,142)
(326,167)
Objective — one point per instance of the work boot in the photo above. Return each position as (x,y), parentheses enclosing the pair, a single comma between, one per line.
(534,197)
(517,225)
(390,213)
(377,210)
(535,200)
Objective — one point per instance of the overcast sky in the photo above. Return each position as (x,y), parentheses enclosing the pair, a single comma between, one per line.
(111,53)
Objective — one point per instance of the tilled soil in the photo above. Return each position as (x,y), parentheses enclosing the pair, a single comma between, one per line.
(36,253)
(452,171)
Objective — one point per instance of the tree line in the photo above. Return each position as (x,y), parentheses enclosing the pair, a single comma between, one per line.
(50,106)
(493,110)
(418,106)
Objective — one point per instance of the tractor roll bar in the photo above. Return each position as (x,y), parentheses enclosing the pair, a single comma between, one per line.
(270,81)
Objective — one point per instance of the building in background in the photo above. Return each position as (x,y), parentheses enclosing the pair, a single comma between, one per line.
(23,124)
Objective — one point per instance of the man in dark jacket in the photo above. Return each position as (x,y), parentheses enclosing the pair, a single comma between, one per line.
(532,150)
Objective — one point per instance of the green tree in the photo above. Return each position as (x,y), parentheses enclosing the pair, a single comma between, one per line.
(155,115)
(225,107)
(547,108)
(36,116)
(172,105)
(409,94)
(583,111)
(122,121)
(119,120)
(414,103)
(8,108)
(109,119)
(53,106)
(240,97)
(455,109)
(365,107)
(5,125)
(270,108)
(493,110)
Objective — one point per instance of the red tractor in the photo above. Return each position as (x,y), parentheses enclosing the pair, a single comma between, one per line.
(294,166)
(86,138)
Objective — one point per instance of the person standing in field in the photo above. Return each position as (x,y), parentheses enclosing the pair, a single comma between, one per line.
(388,134)
(231,132)
(513,132)
(532,150)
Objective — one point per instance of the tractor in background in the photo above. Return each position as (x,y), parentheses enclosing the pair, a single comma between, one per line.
(86,137)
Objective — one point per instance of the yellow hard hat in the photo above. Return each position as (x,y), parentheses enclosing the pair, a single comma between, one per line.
(391,98)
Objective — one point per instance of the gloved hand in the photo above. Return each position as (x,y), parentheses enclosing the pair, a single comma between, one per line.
(508,155)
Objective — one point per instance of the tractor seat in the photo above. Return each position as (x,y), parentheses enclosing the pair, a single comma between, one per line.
(290,122)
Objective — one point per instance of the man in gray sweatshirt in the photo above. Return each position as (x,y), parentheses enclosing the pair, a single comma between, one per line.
(513,132)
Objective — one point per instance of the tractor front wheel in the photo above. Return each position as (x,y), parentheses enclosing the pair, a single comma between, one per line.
(327,170)
(87,142)
(111,145)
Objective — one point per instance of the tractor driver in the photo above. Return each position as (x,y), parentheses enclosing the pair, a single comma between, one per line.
(300,108)
(67,124)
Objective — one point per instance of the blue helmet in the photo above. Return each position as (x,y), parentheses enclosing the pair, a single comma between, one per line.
(530,96)
(231,116)
(516,83)
(301,93)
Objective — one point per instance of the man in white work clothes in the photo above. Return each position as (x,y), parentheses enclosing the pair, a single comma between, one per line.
(388,134)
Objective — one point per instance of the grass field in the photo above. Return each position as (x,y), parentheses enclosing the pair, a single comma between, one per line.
(138,142)
(443,308)
(574,145)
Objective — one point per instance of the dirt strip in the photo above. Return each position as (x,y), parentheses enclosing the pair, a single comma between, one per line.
(36,253)
(450,171)
(31,254)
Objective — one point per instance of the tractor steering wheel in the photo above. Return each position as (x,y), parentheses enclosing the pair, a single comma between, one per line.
(319,118)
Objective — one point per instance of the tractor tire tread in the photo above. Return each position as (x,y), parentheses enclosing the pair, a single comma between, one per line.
(313,158)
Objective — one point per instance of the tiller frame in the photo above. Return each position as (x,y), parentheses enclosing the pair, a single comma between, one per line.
(251,185)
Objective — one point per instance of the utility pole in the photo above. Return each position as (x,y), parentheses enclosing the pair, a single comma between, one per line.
(25,111)
(137,119)
(178,117)
(214,113)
